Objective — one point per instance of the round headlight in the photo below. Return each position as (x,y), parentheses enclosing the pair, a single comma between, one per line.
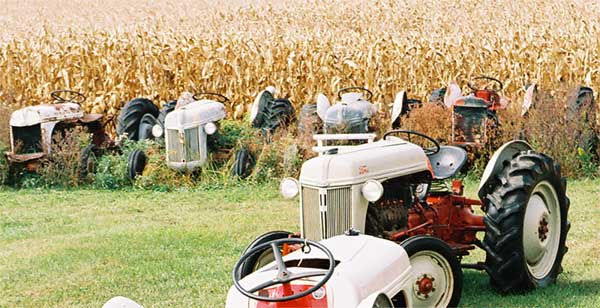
(210,128)
(157,130)
(289,188)
(372,190)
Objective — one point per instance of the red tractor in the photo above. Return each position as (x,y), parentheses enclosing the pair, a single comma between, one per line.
(401,188)
(473,115)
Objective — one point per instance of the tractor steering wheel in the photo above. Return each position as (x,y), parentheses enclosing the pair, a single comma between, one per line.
(409,133)
(220,97)
(472,84)
(67,96)
(365,90)
(283,274)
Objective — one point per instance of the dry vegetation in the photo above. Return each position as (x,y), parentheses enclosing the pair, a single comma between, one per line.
(118,50)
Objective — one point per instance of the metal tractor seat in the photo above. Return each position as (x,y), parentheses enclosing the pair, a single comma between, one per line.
(447,162)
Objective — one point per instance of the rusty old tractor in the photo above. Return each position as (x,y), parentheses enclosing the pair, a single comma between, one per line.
(35,129)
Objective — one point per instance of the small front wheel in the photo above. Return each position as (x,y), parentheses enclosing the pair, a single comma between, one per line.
(263,258)
(436,274)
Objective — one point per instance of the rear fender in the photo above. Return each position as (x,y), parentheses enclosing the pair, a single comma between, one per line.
(398,106)
(496,164)
(528,100)
(322,106)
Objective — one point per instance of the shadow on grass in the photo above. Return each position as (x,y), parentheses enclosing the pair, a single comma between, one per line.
(477,292)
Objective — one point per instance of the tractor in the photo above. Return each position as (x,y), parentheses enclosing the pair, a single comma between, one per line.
(352,270)
(349,270)
(580,115)
(267,114)
(34,129)
(188,127)
(473,115)
(403,188)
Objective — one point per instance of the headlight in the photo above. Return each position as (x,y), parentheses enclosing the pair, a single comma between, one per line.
(157,130)
(210,128)
(372,190)
(289,188)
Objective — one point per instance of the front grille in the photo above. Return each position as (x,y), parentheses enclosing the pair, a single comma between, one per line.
(27,139)
(326,212)
(183,148)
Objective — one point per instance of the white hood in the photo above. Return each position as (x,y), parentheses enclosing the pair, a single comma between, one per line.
(45,113)
(195,114)
(367,265)
(352,165)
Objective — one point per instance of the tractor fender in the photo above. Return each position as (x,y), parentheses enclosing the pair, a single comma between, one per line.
(398,106)
(505,153)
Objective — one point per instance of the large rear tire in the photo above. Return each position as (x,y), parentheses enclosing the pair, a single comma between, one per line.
(437,276)
(146,124)
(131,115)
(526,224)
(259,260)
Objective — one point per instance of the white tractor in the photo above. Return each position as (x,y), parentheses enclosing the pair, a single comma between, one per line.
(186,127)
(34,130)
(402,188)
(346,271)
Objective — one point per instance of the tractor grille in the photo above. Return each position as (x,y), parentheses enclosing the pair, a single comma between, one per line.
(27,139)
(183,148)
(326,213)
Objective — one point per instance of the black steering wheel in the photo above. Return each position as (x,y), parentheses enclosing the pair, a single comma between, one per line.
(67,96)
(472,83)
(220,97)
(409,133)
(283,274)
(365,90)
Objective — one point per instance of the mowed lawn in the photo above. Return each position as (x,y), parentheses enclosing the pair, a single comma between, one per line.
(82,247)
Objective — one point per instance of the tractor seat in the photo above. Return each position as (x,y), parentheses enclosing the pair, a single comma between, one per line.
(447,162)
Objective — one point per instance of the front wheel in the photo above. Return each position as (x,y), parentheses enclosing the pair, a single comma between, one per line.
(526,224)
(258,260)
(436,273)
(87,162)
(136,163)
(243,163)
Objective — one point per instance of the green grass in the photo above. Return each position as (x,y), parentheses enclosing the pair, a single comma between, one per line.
(80,248)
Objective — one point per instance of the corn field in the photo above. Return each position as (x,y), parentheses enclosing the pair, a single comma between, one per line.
(117,50)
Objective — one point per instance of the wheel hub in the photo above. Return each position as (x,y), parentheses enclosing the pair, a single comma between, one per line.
(543,229)
(424,286)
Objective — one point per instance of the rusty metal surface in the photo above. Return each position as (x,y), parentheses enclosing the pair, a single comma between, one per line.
(21,158)
(91,117)
(45,113)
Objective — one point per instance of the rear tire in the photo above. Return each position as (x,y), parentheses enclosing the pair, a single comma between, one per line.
(146,124)
(259,260)
(526,224)
(131,115)
(136,163)
(437,276)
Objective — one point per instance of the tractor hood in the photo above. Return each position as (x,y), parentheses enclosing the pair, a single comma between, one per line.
(351,115)
(379,160)
(367,265)
(45,113)
(195,114)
